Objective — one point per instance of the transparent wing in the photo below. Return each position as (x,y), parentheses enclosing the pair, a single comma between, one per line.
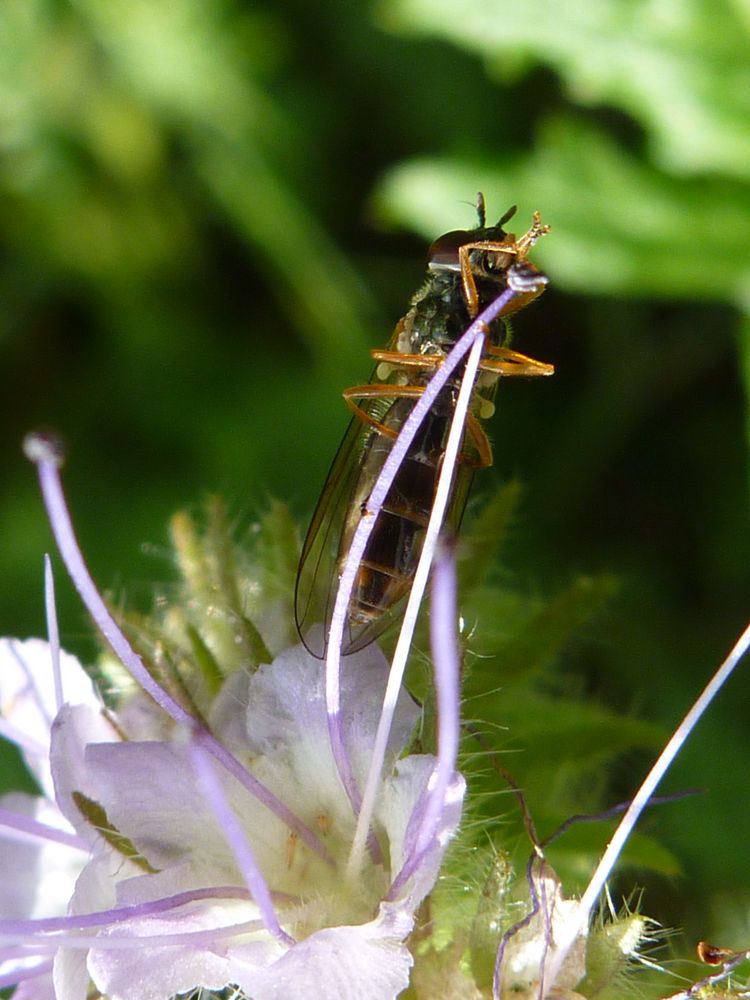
(318,572)
(358,635)
(355,468)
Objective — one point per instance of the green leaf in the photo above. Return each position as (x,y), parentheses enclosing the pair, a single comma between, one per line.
(480,544)
(584,842)
(681,69)
(511,649)
(560,732)
(743,337)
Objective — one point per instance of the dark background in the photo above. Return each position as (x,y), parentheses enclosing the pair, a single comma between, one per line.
(209,211)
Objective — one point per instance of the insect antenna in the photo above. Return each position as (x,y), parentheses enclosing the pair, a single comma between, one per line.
(481,210)
(507,217)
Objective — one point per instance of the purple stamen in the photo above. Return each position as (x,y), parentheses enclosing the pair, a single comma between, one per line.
(118,914)
(22,740)
(444,645)
(238,842)
(53,633)
(129,942)
(46,454)
(21,975)
(17,826)
(362,533)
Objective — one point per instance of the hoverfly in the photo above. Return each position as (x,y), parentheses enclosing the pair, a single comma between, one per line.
(466,270)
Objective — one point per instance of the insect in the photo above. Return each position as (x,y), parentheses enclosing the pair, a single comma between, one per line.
(466,271)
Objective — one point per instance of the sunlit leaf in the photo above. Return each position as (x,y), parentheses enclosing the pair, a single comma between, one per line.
(680,69)
(515,643)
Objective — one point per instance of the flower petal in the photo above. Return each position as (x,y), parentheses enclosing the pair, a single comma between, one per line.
(400,812)
(71,977)
(27,698)
(149,793)
(285,714)
(74,728)
(37,876)
(158,972)
(366,962)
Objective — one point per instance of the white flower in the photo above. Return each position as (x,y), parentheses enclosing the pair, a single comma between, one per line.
(41,856)
(27,699)
(163,875)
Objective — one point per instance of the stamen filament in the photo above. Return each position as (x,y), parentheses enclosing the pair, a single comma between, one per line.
(46,455)
(22,740)
(570,931)
(18,976)
(444,646)
(235,836)
(472,339)
(129,942)
(17,826)
(53,633)
(105,918)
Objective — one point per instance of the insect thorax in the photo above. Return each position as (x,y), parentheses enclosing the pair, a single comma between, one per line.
(439,316)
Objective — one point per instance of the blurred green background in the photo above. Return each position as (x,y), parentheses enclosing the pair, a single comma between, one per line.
(210,209)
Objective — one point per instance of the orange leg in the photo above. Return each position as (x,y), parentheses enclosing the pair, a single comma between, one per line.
(376,391)
(518,248)
(481,443)
(500,360)
(426,362)
(503,361)
(471,295)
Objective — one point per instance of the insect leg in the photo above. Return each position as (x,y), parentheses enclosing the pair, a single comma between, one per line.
(377,391)
(503,361)
(370,391)
(426,362)
(471,295)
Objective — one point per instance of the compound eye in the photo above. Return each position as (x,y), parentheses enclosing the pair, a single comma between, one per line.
(444,251)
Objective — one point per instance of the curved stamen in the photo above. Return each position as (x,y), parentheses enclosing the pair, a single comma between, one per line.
(118,914)
(238,842)
(444,645)
(22,740)
(129,942)
(569,933)
(18,976)
(472,339)
(46,454)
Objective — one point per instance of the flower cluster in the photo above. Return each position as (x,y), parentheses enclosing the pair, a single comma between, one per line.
(199,838)
(126,840)
(193,834)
